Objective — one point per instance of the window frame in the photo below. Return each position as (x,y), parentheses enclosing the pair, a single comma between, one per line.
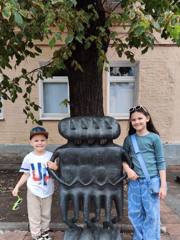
(52,116)
(122,79)
(2,111)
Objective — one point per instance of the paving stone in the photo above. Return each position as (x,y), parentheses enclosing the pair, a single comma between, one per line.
(166,237)
(170,217)
(164,208)
(15,235)
(58,235)
(174,237)
(173,229)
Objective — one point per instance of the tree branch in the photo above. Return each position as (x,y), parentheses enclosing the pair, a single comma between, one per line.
(103,2)
(116,6)
(34,70)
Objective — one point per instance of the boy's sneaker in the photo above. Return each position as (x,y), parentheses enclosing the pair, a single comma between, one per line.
(177,179)
(46,236)
(38,238)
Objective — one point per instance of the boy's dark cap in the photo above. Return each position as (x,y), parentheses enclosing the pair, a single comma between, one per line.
(38,131)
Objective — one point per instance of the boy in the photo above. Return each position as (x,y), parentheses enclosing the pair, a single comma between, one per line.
(40,185)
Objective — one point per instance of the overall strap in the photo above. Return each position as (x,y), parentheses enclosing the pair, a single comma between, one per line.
(139,157)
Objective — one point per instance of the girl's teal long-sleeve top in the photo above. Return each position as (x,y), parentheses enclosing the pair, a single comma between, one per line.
(152,152)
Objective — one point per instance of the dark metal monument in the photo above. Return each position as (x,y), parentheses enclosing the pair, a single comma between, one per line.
(91,178)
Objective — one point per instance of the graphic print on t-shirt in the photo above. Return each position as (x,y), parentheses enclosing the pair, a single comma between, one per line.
(39,173)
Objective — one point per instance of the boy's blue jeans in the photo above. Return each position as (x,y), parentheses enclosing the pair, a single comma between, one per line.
(143,211)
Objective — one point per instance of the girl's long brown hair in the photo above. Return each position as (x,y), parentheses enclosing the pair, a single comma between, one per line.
(150,125)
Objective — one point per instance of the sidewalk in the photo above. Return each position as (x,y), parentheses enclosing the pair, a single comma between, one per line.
(170,208)
(58,235)
(170,221)
(170,216)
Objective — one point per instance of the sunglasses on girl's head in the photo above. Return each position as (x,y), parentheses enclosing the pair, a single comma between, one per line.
(17,203)
(136,108)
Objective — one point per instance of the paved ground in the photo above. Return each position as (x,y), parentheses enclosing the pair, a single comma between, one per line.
(170,214)
(170,208)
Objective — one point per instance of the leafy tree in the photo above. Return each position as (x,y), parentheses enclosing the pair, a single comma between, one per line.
(86,27)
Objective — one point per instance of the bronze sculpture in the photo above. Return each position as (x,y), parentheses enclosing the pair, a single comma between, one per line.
(90,176)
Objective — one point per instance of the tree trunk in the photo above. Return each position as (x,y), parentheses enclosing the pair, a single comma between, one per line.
(86,96)
(86,93)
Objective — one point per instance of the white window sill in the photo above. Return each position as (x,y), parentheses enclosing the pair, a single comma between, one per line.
(119,117)
(53,117)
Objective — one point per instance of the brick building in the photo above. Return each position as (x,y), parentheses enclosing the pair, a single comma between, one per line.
(153,80)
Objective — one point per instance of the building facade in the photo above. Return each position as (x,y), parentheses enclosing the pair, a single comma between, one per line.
(153,81)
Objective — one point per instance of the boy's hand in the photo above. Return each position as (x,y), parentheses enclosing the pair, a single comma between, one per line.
(52,165)
(15,192)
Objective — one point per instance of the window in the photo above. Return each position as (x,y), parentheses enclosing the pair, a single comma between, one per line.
(53,92)
(121,89)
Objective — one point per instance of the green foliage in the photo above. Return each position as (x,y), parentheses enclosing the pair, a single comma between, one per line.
(80,24)
(65,102)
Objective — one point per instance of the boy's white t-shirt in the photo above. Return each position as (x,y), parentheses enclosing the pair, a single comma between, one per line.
(39,181)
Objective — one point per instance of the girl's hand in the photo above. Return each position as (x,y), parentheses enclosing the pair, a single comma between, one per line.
(52,165)
(162,192)
(132,174)
(15,191)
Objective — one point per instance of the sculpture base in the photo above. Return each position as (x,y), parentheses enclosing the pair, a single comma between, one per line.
(93,233)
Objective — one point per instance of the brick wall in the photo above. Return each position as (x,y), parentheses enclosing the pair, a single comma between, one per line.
(158,89)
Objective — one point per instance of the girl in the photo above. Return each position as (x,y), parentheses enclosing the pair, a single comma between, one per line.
(143,205)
